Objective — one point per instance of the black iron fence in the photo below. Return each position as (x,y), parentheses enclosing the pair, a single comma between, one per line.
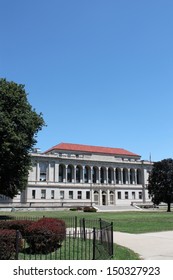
(85,239)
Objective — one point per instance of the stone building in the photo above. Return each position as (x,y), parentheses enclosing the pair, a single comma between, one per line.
(79,175)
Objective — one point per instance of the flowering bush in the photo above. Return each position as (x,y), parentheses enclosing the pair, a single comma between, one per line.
(45,235)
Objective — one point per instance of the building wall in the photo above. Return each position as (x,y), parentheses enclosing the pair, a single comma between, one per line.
(86,180)
(70,179)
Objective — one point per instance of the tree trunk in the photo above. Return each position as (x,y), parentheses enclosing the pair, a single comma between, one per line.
(169,207)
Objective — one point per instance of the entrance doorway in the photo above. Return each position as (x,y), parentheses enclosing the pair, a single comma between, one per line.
(104,198)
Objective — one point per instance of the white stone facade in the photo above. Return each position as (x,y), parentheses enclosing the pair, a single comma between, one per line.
(78,178)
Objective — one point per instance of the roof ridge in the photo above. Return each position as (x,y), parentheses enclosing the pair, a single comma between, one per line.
(91,149)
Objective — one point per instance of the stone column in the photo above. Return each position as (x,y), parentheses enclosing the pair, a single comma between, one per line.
(48,172)
(91,175)
(128,176)
(37,172)
(121,175)
(108,197)
(56,172)
(100,197)
(98,180)
(135,177)
(65,179)
(75,174)
(107,181)
(83,174)
(115,177)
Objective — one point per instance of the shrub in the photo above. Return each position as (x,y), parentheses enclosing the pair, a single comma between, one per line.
(20,225)
(8,244)
(89,209)
(78,208)
(3,224)
(45,235)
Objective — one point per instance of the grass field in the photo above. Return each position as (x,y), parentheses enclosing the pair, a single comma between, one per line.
(78,250)
(131,222)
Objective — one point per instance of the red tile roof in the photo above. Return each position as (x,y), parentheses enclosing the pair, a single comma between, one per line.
(91,149)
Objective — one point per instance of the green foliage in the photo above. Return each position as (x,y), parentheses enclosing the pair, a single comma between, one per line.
(160,185)
(19,125)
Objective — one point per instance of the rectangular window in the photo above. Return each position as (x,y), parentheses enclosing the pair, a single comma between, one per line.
(61,194)
(126,195)
(87,194)
(79,195)
(52,194)
(33,194)
(119,195)
(140,195)
(133,195)
(70,194)
(43,194)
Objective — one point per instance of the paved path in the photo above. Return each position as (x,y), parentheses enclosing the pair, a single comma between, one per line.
(150,246)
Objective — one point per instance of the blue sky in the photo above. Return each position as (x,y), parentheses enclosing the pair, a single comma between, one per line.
(100,71)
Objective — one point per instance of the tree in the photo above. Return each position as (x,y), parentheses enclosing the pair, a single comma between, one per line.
(19,125)
(160,185)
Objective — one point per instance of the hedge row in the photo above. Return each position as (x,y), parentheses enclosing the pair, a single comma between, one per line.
(42,236)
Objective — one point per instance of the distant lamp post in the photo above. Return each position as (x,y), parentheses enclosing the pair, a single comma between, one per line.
(91,194)
(62,201)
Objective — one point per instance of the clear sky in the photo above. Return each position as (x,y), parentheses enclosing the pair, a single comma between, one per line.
(100,71)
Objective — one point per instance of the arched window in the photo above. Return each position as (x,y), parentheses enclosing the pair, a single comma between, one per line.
(86,174)
(78,173)
(95,172)
(102,175)
(43,171)
(132,176)
(125,176)
(118,176)
(139,177)
(61,172)
(69,173)
(110,175)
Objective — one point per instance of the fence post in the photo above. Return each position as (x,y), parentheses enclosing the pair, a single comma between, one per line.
(84,233)
(17,244)
(94,243)
(112,241)
(101,233)
(75,222)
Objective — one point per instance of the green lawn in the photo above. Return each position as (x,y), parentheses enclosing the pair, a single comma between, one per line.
(131,222)
(123,253)
(79,250)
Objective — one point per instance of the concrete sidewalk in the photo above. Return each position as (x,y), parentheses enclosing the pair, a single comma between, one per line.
(150,246)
